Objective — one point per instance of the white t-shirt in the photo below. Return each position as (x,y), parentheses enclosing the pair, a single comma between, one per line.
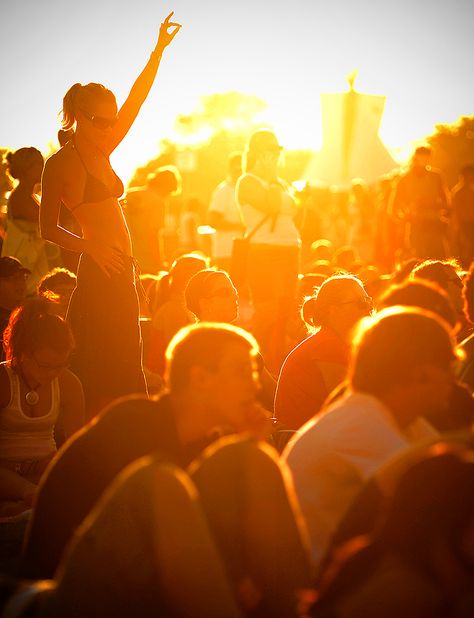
(280,230)
(336,453)
(223,202)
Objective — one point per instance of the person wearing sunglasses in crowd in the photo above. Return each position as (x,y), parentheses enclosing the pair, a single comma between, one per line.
(103,311)
(319,363)
(37,391)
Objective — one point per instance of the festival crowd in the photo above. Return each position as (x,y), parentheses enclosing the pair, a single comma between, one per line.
(273,418)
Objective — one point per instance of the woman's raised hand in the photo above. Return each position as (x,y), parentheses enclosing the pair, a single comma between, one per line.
(165,37)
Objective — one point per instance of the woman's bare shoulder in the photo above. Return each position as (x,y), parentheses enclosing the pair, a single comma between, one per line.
(62,160)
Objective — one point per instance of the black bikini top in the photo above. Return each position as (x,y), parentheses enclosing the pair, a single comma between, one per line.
(95,190)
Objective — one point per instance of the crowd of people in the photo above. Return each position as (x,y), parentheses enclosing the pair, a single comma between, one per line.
(274,424)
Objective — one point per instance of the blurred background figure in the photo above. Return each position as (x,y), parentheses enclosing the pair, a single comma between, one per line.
(172,313)
(268,209)
(58,286)
(466,368)
(146,209)
(420,199)
(462,201)
(362,207)
(224,214)
(190,220)
(446,274)
(13,286)
(22,239)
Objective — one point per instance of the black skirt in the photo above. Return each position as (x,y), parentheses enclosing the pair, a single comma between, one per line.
(104,316)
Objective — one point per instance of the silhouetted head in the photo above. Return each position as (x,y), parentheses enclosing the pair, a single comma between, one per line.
(420,293)
(25,164)
(13,282)
(37,341)
(421,157)
(212,297)
(183,268)
(166,180)
(405,350)
(339,303)
(467,174)
(444,273)
(215,365)
(58,286)
(92,109)
(263,147)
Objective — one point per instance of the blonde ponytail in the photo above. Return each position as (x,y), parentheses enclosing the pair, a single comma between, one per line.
(69,107)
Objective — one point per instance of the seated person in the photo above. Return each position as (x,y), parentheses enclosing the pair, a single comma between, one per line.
(226,536)
(319,363)
(212,387)
(36,389)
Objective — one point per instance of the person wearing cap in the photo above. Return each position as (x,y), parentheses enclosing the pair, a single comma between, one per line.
(13,279)
(268,209)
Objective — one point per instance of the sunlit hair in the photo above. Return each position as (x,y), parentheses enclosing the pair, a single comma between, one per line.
(183,268)
(33,327)
(468,294)
(200,286)
(388,347)
(420,293)
(438,271)
(82,96)
(202,345)
(315,310)
(57,276)
(21,160)
(259,142)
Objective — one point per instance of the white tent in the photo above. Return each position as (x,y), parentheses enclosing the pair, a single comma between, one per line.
(351,144)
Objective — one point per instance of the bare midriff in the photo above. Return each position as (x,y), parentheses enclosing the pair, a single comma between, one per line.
(104,222)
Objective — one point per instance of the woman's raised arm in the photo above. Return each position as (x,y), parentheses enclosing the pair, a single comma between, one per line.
(140,89)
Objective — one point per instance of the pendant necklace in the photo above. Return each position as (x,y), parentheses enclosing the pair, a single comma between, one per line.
(32,397)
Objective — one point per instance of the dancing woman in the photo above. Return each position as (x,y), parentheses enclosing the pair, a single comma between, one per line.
(103,311)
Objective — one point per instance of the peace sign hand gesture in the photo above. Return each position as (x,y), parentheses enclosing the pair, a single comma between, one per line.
(165,37)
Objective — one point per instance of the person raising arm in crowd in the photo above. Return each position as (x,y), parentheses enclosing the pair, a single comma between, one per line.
(103,311)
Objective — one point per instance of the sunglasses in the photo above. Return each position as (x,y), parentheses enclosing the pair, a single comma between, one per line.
(99,122)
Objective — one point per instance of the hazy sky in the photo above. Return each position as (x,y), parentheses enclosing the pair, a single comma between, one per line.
(417,53)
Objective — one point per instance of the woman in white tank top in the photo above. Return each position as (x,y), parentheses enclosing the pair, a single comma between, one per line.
(36,389)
